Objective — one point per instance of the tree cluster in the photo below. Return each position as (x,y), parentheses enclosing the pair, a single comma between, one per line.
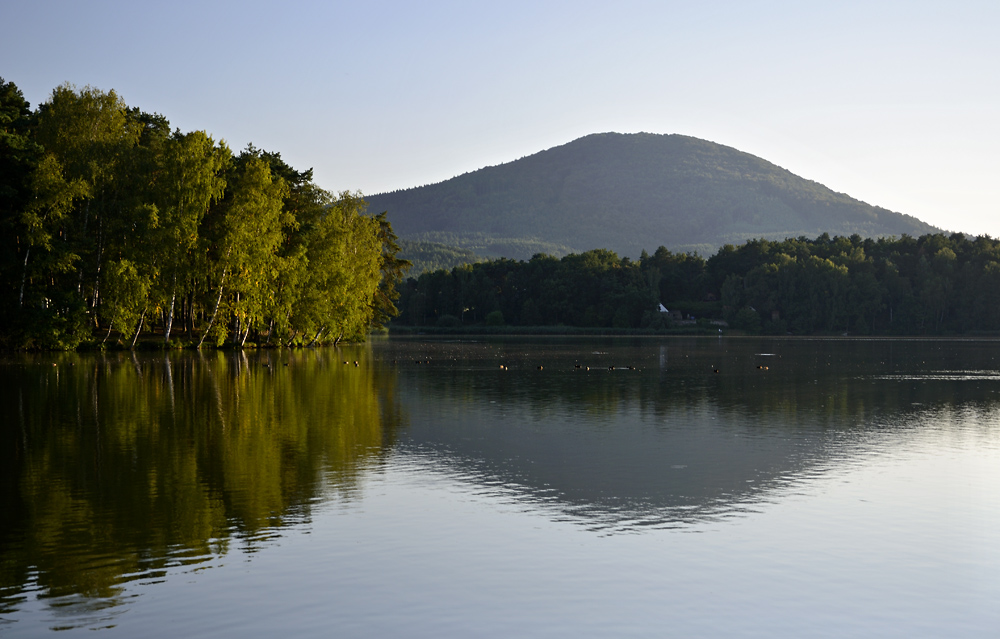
(115,226)
(432,256)
(934,284)
(593,289)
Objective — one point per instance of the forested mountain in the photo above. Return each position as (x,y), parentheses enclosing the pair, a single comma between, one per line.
(629,192)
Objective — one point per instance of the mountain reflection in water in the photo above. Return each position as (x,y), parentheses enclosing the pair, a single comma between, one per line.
(679,431)
(120,468)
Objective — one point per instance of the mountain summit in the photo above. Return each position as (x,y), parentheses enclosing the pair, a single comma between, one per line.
(629,192)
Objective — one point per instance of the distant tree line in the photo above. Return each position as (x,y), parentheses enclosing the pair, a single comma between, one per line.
(592,289)
(114,227)
(935,284)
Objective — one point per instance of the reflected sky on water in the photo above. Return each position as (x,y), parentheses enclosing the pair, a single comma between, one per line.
(567,487)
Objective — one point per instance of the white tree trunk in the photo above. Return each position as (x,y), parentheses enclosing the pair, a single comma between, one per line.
(218,300)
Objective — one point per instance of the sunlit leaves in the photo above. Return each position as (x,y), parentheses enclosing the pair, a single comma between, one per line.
(117,225)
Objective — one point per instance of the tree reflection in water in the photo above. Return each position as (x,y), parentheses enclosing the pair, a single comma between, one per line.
(119,467)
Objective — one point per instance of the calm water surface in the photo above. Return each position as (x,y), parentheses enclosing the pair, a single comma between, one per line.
(730,487)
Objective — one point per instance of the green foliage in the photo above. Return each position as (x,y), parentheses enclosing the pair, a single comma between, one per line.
(494,318)
(935,284)
(448,321)
(431,256)
(478,245)
(248,226)
(19,156)
(113,227)
(128,294)
(619,191)
(595,289)
(393,268)
(345,256)
(747,319)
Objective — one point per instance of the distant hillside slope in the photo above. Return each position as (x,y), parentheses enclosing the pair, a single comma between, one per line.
(431,256)
(629,192)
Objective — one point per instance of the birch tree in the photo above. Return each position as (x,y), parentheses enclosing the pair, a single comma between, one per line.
(343,253)
(190,179)
(89,132)
(248,232)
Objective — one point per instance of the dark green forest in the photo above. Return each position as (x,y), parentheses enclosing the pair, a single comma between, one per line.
(622,191)
(936,284)
(117,229)
(432,256)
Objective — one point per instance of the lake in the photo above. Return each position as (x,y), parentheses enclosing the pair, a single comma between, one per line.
(543,487)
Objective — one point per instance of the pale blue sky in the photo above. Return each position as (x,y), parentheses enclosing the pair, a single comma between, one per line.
(895,103)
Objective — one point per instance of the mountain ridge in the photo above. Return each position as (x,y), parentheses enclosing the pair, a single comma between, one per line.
(629,192)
